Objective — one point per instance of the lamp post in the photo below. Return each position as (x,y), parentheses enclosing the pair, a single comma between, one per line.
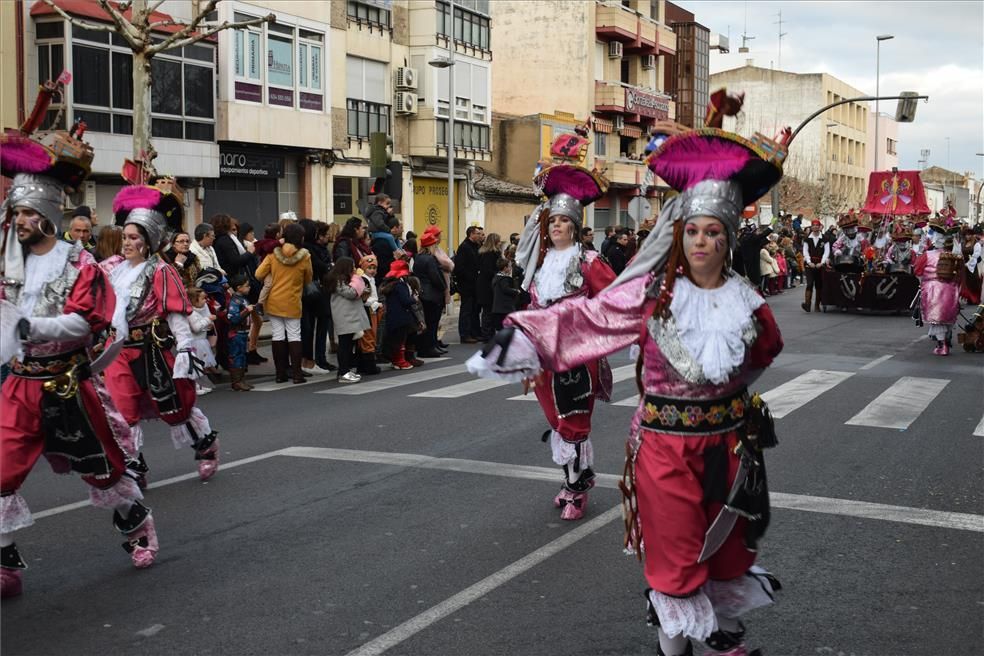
(448,63)
(878,40)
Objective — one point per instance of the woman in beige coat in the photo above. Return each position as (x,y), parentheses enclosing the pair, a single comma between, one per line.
(290,267)
(768,267)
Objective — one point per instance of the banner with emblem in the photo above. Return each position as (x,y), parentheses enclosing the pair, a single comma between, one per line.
(897,193)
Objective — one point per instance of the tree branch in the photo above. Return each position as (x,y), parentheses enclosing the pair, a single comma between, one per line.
(78,22)
(124,27)
(154,6)
(183,33)
(170,43)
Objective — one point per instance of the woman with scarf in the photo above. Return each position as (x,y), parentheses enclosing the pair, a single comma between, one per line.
(147,380)
(351,241)
(695,491)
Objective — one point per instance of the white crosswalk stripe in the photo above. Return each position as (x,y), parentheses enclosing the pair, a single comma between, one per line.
(416,376)
(618,375)
(463,389)
(900,405)
(804,388)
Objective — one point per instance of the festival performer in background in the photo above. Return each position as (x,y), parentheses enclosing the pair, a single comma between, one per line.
(55,310)
(147,380)
(816,254)
(557,270)
(696,437)
(849,248)
(939,272)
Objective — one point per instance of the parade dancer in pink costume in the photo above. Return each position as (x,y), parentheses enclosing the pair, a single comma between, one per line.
(939,272)
(556,269)
(56,307)
(695,486)
(147,380)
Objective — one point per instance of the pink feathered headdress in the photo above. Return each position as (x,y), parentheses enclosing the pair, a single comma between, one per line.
(131,198)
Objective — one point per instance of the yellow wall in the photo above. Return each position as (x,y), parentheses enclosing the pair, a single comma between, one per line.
(8,65)
(430,205)
(505,218)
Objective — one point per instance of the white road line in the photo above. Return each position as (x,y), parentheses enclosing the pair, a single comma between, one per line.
(847,507)
(618,375)
(801,390)
(979,431)
(271,386)
(474,592)
(416,376)
(900,404)
(631,402)
(877,361)
(463,389)
(223,466)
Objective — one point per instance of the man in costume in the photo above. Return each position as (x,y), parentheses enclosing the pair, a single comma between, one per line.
(56,305)
(557,268)
(898,254)
(695,482)
(816,254)
(147,380)
(849,247)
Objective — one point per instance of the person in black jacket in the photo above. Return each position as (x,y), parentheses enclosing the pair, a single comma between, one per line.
(400,319)
(505,293)
(488,259)
(751,245)
(465,276)
(386,249)
(316,312)
(432,286)
(351,241)
(615,253)
(234,257)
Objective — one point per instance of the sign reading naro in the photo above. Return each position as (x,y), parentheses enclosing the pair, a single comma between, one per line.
(243,164)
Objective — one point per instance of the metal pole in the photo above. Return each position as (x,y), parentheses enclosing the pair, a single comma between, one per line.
(453,235)
(877,93)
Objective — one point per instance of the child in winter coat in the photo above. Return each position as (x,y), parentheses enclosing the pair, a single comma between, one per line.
(504,293)
(239,313)
(400,317)
(348,314)
(201,320)
(374,309)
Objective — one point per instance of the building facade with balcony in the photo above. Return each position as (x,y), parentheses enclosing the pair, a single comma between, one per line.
(831,151)
(600,60)
(688,71)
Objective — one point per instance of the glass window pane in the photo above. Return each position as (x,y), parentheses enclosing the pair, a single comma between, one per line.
(376,76)
(239,52)
(50,30)
(280,61)
(166,128)
(201,53)
(385,122)
(122,124)
(353,122)
(44,64)
(122,80)
(302,52)
(363,124)
(315,67)
(57,59)
(89,35)
(90,85)
(95,121)
(199,91)
(166,88)
(199,131)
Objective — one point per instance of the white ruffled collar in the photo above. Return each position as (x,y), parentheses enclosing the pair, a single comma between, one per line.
(551,277)
(715,325)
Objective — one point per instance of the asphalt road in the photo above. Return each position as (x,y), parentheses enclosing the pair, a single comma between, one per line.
(369,523)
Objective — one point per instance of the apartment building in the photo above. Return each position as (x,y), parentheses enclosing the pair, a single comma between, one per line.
(688,71)
(603,60)
(261,120)
(831,151)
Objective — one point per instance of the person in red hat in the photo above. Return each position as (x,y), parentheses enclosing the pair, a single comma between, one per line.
(447,268)
(816,254)
(401,321)
(694,487)
(433,286)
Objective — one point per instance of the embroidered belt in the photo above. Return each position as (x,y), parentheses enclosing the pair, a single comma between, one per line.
(137,335)
(665,414)
(44,367)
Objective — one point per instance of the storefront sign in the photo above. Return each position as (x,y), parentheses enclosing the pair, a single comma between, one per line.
(250,92)
(282,97)
(430,205)
(647,104)
(240,164)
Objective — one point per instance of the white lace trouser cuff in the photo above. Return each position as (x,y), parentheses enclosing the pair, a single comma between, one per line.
(124,491)
(564,452)
(14,513)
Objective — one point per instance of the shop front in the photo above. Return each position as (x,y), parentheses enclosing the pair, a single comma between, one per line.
(254,185)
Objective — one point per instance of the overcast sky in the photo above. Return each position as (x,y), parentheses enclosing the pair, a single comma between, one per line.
(938,50)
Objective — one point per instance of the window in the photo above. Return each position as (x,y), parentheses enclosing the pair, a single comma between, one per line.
(470,27)
(601,144)
(182,92)
(471,91)
(890,146)
(290,74)
(366,117)
(367,90)
(466,135)
(369,12)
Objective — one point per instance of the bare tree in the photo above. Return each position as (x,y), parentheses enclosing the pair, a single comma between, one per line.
(137,30)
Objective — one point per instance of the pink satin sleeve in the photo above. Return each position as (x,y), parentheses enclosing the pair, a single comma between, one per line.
(581,329)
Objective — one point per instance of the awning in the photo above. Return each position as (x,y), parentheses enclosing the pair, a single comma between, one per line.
(91,9)
(603,125)
(631,131)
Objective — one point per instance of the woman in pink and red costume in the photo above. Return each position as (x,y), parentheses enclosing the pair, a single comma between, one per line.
(940,284)
(705,335)
(55,312)
(557,270)
(147,380)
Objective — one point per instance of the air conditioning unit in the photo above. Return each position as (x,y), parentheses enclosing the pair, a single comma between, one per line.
(405,103)
(615,50)
(406,78)
(649,62)
(620,122)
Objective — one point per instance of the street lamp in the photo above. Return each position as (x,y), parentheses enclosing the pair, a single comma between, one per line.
(878,40)
(448,63)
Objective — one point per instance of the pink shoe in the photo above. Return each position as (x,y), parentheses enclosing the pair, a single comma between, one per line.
(208,461)
(945,350)
(572,504)
(10,582)
(939,350)
(143,545)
